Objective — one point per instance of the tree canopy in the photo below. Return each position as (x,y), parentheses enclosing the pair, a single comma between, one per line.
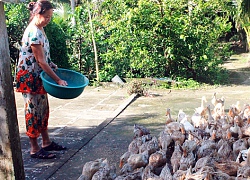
(171,38)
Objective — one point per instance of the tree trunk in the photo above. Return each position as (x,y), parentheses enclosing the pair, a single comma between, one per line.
(243,18)
(11,162)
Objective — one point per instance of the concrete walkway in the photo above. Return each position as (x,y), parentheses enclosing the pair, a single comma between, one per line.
(73,123)
(99,124)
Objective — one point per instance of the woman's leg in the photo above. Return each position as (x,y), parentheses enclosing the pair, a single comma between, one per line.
(43,116)
(34,147)
(46,140)
(36,116)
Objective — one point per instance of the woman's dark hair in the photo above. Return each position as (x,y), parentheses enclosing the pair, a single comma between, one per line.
(39,7)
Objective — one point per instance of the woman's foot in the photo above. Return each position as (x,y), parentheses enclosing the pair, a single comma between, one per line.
(54,147)
(42,154)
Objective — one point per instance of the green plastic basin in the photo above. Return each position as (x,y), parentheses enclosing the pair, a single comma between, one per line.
(76,84)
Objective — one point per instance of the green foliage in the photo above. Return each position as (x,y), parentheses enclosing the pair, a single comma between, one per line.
(243,18)
(166,39)
(137,39)
(62,16)
(17,18)
(58,48)
(181,83)
(80,44)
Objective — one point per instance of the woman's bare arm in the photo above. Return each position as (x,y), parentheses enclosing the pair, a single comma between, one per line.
(38,52)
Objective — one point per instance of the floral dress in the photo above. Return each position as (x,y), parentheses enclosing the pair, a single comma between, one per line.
(29,83)
(28,71)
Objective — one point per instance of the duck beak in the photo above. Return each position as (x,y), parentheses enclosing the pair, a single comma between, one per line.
(213,136)
(229,135)
(248,120)
(121,164)
(184,152)
(183,130)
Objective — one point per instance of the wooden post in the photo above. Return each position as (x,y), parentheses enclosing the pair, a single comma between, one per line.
(11,162)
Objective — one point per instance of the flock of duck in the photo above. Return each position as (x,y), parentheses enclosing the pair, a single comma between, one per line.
(212,144)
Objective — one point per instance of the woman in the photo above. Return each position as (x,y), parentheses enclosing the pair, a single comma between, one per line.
(34,58)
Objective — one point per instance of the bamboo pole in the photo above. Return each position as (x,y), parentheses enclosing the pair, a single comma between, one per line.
(94,43)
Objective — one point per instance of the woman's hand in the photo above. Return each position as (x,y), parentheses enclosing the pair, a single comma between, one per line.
(53,66)
(62,82)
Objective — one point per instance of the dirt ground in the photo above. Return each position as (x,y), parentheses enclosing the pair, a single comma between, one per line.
(239,68)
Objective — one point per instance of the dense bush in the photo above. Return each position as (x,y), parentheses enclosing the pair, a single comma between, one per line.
(58,48)
(167,39)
